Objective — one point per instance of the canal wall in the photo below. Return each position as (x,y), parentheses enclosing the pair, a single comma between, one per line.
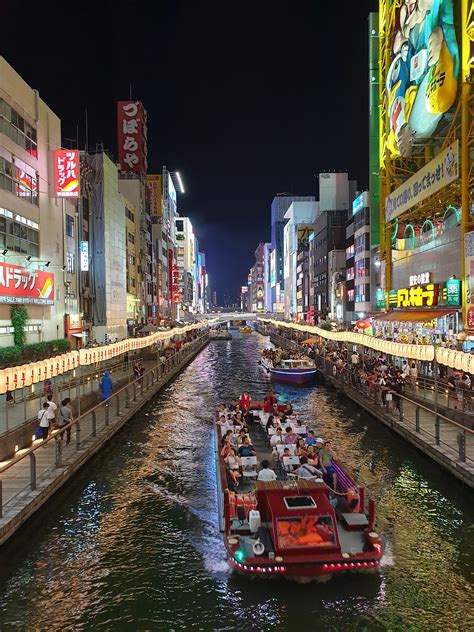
(32,478)
(414,424)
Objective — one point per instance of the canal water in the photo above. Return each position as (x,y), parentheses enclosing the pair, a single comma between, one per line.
(133,543)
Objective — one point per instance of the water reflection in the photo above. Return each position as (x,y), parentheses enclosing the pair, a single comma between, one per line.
(133,543)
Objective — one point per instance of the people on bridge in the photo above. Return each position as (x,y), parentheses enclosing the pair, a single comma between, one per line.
(43,421)
(65,418)
(52,408)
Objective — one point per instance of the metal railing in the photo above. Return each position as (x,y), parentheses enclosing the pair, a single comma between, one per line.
(73,385)
(98,417)
(426,422)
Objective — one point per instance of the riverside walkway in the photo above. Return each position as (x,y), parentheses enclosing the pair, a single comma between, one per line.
(34,474)
(438,435)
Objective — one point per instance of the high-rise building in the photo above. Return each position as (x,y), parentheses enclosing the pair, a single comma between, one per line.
(280,204)
(134,306)
(33,222)
(186,262)
(300,218)
(267,277)
(257,296)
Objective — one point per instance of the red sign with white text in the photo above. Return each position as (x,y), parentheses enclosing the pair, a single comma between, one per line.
(66,173)
(132,132)
(23,285)
(176,290)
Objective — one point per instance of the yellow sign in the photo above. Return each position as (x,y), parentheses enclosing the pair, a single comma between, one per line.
(417,296)
(153,183)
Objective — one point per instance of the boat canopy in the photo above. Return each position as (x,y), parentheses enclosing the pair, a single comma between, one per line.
(295,364)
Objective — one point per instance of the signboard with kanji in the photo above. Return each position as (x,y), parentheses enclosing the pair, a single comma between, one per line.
(132,131)
(24,285)
(66,173)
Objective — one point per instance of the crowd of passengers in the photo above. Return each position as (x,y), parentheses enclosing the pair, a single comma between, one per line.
(275,356)
(284,429)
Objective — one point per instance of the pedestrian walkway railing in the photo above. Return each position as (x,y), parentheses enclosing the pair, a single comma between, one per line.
(96,419)
(81,379)
(429,424)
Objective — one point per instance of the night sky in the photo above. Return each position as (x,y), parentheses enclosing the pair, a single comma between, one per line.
(245,99)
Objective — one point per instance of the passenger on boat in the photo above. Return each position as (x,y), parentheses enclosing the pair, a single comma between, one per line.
(326,461)
(269,402)
(310,439)
(222,421)
(233,405)
(289,409)
(266,474)
(241,436)
(312,456)
(245,400)
(237,419)
(226,447)
(232,462)
(247,449)
(301,449)
(228,435)
(271,422)
(221,410)
(277,438)
(290,436)
(301,426)
(306,470)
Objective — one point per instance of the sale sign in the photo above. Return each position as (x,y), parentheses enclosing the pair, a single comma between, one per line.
(22,285)
(132,131)
(66,173)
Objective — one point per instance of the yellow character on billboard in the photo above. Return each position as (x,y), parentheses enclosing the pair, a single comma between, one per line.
(422,79)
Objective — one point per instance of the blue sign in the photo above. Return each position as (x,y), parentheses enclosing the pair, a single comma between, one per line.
(359,203)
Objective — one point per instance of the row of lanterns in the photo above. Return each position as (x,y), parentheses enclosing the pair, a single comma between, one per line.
(34,372)
(426,353)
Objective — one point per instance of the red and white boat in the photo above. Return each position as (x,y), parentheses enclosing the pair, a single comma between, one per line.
(297,528)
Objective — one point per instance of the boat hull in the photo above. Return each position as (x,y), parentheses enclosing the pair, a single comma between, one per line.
(293,376)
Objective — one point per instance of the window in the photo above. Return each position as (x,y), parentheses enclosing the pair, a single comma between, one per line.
(19,178)
(69,226)
(18,129)
(362,267)
(179,225)
(129,214)
(350,274)
(131,238)
(70,262)
(132,260)
(18,234)
(350,295)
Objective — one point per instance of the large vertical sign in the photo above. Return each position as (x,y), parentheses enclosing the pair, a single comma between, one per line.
(66,173)
(176,290)
(468,294)
(132,133)
(170,274)
(153,183)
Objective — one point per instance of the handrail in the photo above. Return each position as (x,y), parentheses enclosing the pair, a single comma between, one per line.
(56,431)
(411,401)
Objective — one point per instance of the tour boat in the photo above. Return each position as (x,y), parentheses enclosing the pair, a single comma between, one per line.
(296,528)
(293,371)
(246,330)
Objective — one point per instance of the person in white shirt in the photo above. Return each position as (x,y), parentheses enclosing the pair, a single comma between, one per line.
(266,474)
(52,408)
(277,437)
(43,420)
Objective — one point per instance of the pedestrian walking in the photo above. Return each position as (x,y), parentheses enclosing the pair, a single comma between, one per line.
(10,398)
(65,419)
(43,420)
(106,386)
(51,410)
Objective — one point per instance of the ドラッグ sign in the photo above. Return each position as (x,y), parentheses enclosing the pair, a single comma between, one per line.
(23,285)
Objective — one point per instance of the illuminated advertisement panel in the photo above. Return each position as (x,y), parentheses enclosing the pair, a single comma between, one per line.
(132,132)
(273,268)
(66,173)
(153,183)
(422,80)
(23,285)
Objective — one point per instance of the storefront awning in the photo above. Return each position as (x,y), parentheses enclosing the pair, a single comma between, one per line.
(78,335)
(415,315)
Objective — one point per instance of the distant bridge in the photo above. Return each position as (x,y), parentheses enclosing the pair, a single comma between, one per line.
(223,317)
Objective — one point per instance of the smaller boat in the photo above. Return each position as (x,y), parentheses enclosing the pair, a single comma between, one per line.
(220,335)
(246,330)
(293,371)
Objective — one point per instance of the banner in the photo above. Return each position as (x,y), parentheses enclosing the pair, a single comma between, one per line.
(155,195)
(66,173)
(132,132)
(434,176)
(23,285)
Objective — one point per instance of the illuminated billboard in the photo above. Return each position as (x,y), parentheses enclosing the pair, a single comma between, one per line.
(273,268)
(66,173)
(153,183)
(24,285)
(422,80)
(132,136)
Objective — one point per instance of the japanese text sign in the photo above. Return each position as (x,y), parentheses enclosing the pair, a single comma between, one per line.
(435,175)
(416,296)
(176,289)
(23,285)
(132,131)
(66,173)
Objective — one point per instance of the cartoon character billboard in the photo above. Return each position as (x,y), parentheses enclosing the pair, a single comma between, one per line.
(422,80)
